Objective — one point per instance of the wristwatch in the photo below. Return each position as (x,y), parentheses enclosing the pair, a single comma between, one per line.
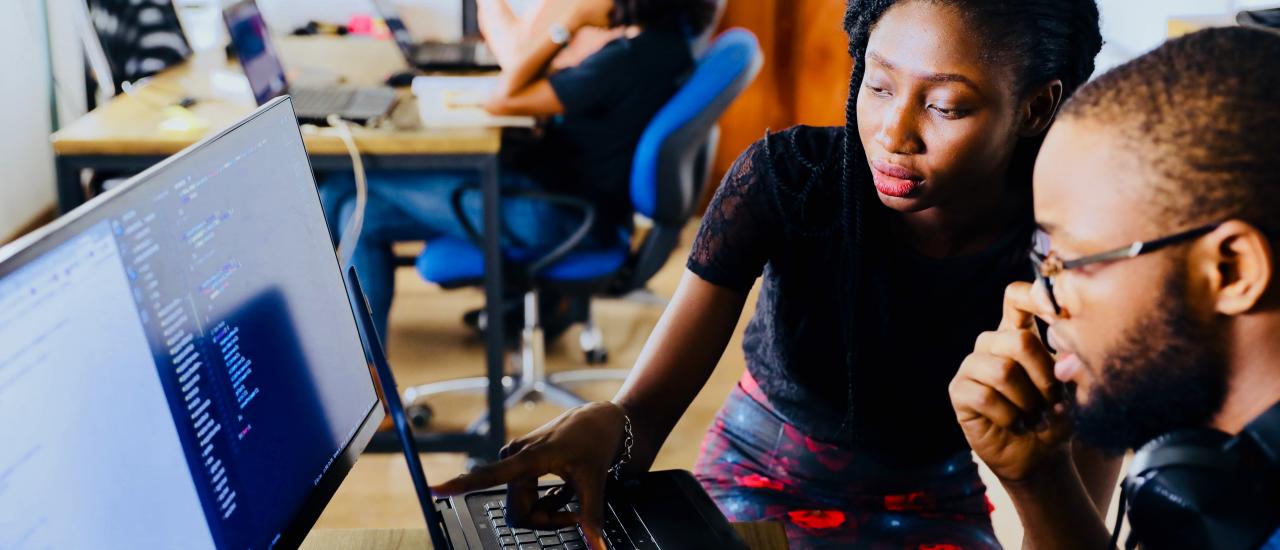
(559,34)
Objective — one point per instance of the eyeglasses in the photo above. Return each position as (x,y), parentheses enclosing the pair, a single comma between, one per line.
(1048,266)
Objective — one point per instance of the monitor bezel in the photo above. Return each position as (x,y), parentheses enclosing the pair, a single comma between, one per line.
(19,253)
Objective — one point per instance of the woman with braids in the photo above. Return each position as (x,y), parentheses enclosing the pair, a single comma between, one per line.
(885,247)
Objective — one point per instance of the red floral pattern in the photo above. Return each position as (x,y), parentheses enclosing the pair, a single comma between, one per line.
(817,520)
(757,481)
(758,467)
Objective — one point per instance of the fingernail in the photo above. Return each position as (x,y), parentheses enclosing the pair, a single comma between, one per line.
(1060,408)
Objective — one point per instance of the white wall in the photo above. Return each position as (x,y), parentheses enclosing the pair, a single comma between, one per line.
(26,156)
(1133,27)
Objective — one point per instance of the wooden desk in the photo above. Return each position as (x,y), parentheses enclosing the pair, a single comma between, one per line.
(124,134)
(760,535)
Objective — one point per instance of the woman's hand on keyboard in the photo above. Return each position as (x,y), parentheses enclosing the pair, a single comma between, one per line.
(579,447)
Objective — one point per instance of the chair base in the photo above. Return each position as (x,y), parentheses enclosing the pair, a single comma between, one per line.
(532,384)
(550,389)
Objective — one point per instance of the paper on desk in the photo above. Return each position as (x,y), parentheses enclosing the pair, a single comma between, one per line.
(456,102)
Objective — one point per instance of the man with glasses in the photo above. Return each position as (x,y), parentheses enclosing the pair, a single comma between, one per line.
(1158,198)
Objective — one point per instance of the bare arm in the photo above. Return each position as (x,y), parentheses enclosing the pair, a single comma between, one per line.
(523,88)
(500,28)
(678,359)
(1100,473)
(1056,508)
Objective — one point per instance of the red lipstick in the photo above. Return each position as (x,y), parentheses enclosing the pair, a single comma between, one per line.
(894,180)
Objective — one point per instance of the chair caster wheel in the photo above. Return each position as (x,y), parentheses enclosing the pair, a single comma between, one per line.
(597,357)
(474,462)
(420,415)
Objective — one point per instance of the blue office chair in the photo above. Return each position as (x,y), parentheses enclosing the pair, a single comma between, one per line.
(669,171)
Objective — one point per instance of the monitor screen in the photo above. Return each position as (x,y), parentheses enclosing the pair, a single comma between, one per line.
(179,362)
(258,57)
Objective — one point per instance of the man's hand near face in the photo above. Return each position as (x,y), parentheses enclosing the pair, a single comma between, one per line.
(1011,409)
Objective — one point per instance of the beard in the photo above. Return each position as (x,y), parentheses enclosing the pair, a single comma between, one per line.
(1166,374)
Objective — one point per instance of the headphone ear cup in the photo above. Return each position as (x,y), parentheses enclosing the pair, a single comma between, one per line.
(1188,489)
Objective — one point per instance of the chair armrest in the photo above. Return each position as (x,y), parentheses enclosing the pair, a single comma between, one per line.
(588,219)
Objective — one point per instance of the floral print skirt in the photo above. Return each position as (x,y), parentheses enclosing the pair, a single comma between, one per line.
(758,467)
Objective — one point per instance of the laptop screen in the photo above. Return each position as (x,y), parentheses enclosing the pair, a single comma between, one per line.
(257,53)
(395,24)
(179,364)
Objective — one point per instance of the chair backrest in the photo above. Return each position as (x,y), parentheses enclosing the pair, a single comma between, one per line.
(671,162)
(138,37)
(662,171)
(703,40)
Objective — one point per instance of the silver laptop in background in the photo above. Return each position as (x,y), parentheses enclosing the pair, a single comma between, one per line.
(262,67)
(472,54)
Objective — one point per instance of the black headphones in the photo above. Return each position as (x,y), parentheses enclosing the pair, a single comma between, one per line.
(1202,488)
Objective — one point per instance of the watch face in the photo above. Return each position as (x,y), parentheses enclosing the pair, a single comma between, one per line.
(559,34)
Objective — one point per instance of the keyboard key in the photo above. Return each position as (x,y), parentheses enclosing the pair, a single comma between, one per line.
(549,541)
(499,522)
(575,545)
(522,531)
(496,514)
(492,505)
(555,547)
(526,539)
(570,536)
(504,531)
(545,533)
(507,541)
(569,530)
(530,547)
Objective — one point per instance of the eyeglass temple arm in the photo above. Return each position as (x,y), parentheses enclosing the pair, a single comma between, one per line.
(1139,248)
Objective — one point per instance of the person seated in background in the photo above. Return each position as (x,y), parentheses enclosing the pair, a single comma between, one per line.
(600,107)
(1181,144)
(508,34)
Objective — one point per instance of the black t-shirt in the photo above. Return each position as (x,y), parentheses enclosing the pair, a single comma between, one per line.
(608,100)
(935,309)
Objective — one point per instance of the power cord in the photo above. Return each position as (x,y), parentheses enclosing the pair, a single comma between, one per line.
(351,236)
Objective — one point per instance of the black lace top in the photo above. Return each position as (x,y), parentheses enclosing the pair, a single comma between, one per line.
(782,222)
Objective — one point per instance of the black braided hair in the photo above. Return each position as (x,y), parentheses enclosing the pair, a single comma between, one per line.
(1041,39)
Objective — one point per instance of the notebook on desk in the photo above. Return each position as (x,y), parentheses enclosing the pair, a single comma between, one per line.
(458,102)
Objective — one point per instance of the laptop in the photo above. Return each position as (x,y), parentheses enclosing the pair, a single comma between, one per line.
(261,63)
(470,54)
(665,510)
(180,366)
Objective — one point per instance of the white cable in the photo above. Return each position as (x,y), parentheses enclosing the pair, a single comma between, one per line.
(351,236)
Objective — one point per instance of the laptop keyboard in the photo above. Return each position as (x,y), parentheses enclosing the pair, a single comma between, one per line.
(568,538)
(322,100)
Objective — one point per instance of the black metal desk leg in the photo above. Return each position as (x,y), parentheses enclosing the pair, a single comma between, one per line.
(70,193)
(494,331)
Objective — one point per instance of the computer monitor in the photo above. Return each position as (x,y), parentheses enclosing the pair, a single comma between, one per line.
(180,366)
(256,51)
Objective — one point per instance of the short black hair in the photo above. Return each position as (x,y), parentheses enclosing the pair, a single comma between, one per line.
(692,16)
(1203,110)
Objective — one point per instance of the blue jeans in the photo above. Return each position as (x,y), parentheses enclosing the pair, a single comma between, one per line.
(415,205)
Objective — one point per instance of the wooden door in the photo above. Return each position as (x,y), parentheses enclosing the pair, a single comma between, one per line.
(805,76)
